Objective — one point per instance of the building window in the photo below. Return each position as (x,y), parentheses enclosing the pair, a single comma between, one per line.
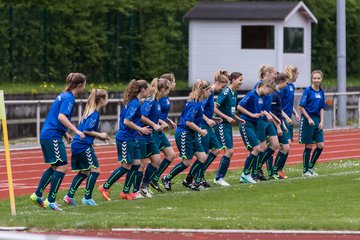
(257,37)
(293,40)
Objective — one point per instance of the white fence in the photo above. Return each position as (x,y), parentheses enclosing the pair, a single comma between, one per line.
(353,107)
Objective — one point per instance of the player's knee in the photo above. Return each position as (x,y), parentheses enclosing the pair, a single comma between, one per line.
(320,145)
(187,162)
(229,152)
(170,156)
(285,148)
(97,170)
(215,152)
(256,150)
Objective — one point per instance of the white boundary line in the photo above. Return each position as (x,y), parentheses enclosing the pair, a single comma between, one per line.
(170,230)
(33,236)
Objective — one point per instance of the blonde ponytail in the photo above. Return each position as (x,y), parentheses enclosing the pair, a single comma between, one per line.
(93,101)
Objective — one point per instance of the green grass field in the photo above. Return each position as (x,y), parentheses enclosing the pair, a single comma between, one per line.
(329,202)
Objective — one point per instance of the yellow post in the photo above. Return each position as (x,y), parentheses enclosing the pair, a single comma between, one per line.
(7,153)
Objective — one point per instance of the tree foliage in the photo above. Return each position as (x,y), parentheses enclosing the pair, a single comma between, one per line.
(116,40)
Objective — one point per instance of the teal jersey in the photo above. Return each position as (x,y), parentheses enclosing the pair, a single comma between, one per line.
(226,102)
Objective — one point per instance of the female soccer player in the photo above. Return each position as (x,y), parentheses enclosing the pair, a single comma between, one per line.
(265,128)
(54,129)
(277,113)
(126,136)
(251,108)
(160,137)
(186,134)
(312,106)
(83,158)
(225,106)
(149,148)
(287,99)
(210,142)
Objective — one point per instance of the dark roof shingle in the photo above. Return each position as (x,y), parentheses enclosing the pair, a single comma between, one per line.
(241,10)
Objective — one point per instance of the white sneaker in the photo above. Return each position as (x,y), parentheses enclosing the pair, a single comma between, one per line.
(246,178)
(145,193)
(137,195)
(221,182)
(312,171)
(307,174)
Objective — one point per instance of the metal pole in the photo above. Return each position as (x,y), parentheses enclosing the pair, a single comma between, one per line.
(11,60)
(46,42)
(117,48)
(358,110)
(38,105)
(341,60)
(335,105)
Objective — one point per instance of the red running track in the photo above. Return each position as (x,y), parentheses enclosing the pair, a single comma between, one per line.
(28,166)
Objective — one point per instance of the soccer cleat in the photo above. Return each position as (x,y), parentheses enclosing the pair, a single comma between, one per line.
(69,200)
(274,176)
(155,185)
(312,171)
(186,183)
(166,183)
(89,202)
(136,195)
(104,193)
(261,176)
(282,174)
(204,183)
(145,193)
(196,187)
(37,200)
(247,178)
(125,196)
(307,174)
(221,182)
(52,205)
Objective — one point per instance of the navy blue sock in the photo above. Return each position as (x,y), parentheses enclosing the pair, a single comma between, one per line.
(224,165)
(315,156)
(163,166)
(130,178)
(44,181)
(176,170)
(55,184)
(211,157)
(90,184)
(280,158)
(199,175)
(267,154)
(256,165)
(306,158)
(269,165)
(76,182)
(193,170)
(137,181)
(149,173)
(282,163)
(249,162)
(259,161)
(116,175)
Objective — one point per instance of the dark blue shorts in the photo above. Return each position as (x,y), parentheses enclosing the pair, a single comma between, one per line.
(161,140)
(310,134)
(249,135)
(188,144)
(223,132)
(128,151)
(210,141)
(54,152)
(84,160)
(148,147)
(265,130)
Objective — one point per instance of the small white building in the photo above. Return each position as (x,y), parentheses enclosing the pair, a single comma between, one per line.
(240,36)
